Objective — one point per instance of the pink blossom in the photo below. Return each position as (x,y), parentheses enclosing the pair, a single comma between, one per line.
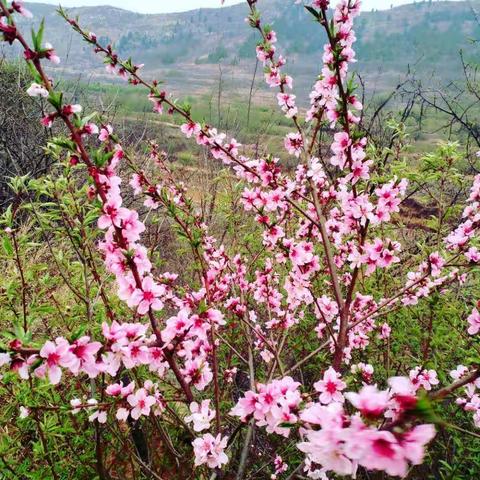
(132,227)
(99,415)
(157,103)
(105,132)
(198,372)
(474,322)
(113,213)
(383,452)
(265,52)
(473,255)
(148,297)
(75,404)
(301,253)
(24,412)
(294,144)
(280,465)
(323,4)
(141,403)
(17,5)
(414,441)
(55,355)
(134,354)
(330,387)
(71,109)
(423,378)
(176,325)
(275,404)
(366,371)
(90,129)
(287,103)
(385,331)
(326,446)
(5,359)
(190,128)
(84,356)
(459,371)
(245,406)
(122,414)
(47,120)
(50,54)
(370,401)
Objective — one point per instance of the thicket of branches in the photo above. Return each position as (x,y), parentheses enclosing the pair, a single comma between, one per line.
(21,136)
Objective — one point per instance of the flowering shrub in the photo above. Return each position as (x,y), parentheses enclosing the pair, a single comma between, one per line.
(326,260)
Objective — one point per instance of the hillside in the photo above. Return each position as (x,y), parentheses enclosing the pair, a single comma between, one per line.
(185,49)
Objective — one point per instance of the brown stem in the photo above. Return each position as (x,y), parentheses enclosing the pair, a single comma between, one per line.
(342,335)
(22,280)
(443,392)
(44,443)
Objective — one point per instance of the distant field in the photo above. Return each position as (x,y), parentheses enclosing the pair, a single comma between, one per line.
(259,124)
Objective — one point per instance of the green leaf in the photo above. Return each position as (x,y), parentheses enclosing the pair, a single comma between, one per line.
(7,246)
(100,158)
(55,99)
(7,219)
(88,118)
(202,307)
(33,72)
(78,333)
(313,11)
(424,410)
(37,38)
(63,143)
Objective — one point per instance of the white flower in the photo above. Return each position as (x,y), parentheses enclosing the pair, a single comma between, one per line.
(36,90)
(210,450)
(201,415)
(75,402)
(24,412)
(141,403)
(98,415)
(4,359)
(122,414)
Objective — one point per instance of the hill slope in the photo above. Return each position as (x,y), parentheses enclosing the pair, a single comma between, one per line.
(186,48)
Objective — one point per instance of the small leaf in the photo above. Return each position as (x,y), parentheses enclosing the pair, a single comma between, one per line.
(424,410)
(38,37)
(7,246)
(78,333)
(55,99)
(313,11)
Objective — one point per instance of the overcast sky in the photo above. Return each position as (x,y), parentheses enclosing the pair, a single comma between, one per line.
(162,6)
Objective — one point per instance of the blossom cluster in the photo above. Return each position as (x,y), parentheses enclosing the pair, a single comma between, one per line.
(338,53)
(125,345)
(272,405)
(470,401)
(461,237)
(335,441)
